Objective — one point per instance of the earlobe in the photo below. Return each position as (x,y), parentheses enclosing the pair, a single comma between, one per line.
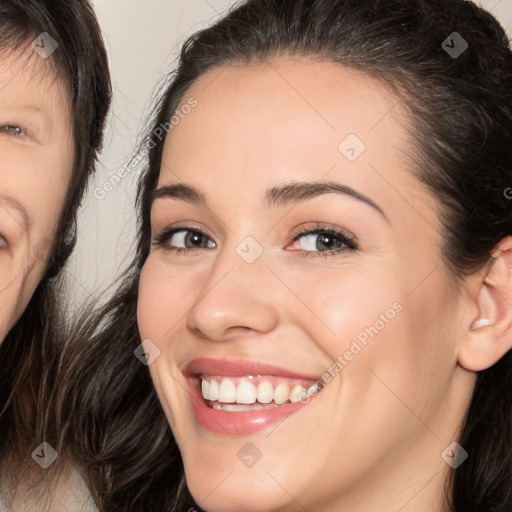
(489,336)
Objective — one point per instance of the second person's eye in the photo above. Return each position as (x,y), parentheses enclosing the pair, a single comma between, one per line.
(12,129)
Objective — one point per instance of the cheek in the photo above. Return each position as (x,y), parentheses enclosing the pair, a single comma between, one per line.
(47,194)
(373,323)
(38,178)
(340,305)
(20,271)
(158,307)
(8,306)
(152,303)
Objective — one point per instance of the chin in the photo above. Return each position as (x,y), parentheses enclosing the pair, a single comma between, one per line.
(220,482)
(239,495)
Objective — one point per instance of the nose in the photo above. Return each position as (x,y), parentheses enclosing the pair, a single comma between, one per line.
(238,298)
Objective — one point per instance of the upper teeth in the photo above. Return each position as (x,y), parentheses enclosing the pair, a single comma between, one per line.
(225,390)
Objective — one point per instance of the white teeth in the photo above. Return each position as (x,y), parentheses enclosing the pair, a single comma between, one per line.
(242,408)
(205,389)
(295,393)
(281,394)
(265,393)
(214,391)
(227,391)
(245,393)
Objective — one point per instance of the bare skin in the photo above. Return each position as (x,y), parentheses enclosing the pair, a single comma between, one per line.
(36,155)
(372,438)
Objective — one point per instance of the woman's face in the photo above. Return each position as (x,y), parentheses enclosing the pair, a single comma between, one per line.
(292,244)
(36,158)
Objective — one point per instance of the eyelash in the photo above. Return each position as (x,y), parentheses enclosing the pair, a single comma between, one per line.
(14,125)
(348,241)
(350,244)
(160,240)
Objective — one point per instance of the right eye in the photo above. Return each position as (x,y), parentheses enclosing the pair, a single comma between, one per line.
(13,129)
(181,240)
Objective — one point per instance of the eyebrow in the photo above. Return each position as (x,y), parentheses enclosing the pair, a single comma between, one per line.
(281,195)
(14,204)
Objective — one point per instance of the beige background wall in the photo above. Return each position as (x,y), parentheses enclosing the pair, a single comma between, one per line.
(142,38)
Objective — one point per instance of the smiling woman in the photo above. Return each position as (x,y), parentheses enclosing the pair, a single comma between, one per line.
(341,178)
(54,96)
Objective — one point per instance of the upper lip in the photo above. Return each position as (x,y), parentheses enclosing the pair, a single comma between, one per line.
(240,368)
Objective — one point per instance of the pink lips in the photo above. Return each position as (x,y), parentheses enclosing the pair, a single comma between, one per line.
(238,423)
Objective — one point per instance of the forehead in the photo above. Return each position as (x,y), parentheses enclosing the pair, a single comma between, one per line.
(292,101)
(31,81)
(285,119)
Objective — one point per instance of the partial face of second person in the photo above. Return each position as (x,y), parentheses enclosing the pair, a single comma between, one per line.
(253,288)
(36,160)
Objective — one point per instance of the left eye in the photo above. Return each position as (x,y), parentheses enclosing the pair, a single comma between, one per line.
(3,242)
(12,129)
(323,240)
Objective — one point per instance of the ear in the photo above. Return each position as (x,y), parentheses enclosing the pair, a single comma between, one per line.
(489,331)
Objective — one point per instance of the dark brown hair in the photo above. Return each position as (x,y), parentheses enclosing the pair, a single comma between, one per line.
(33,343)
(461,123)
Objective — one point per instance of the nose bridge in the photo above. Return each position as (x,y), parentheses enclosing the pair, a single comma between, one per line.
(237,292)
(244,260)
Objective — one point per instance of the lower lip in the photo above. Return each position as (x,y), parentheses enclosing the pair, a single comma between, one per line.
(238,423)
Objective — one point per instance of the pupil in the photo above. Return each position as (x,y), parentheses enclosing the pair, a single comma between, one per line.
(194,238)
(328,242)
(12,130)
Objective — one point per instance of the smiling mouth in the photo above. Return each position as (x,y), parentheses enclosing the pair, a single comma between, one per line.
(244,397)
(253,393)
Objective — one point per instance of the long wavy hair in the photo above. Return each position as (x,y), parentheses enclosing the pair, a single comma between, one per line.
(31,348)
(109,420)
